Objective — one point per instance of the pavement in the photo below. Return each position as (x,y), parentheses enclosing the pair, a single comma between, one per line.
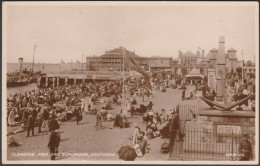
(84,142)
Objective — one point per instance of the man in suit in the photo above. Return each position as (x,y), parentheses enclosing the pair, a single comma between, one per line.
(53,124)
(53,144)
(54,136)
(174,128)
(30,120)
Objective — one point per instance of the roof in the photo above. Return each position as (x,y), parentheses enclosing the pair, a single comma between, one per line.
(194,73)
(208,57)
(213,50)
(189,54)
(249,63)
(231,50)
(118,52)
(159,57)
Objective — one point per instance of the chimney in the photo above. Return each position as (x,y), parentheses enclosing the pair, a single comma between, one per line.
(20,65)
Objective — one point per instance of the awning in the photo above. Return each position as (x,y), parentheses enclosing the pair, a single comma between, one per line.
(194,73)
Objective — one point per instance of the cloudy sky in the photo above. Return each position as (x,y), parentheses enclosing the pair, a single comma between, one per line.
(68,31)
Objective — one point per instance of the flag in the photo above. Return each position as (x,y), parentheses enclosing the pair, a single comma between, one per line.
(62,62)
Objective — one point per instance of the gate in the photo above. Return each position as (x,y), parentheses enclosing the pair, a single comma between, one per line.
(209,145)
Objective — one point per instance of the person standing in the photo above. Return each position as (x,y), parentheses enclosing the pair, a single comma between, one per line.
(53,123)
(54,136)
(173,130)
(39,120)
(183,94)
(45,116)
(245,148)
(30,124)
(78,115)
(53,144)
(98,122)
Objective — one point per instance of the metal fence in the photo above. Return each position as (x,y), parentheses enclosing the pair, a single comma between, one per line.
(188,111)
(209,145)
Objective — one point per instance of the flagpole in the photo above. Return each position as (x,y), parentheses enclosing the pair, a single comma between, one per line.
(33,56)
(242,68)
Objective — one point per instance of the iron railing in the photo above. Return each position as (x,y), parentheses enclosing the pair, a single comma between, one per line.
(203,144)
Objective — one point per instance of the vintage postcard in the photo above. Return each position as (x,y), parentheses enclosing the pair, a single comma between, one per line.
(130,82)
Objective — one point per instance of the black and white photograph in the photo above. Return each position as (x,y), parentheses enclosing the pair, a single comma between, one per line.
(130,82)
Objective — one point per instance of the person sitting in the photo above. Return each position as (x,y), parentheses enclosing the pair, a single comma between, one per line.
(149,133)
(163,116)
(132,110)
(165,131)
(125,123)
(142,109)
(158,118)
(154,127)
(104,113)
(163,89)
(69,113)
(149,106)
(191,95)
(142,145)
(115,99)
(109,117)
(145,117)
(118,120)
(134,102)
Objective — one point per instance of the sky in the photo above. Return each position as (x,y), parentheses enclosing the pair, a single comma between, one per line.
(69,31)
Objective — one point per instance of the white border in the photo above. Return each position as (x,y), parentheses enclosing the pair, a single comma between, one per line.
(113,3)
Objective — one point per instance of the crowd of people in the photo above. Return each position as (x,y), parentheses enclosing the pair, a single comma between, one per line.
(44,107)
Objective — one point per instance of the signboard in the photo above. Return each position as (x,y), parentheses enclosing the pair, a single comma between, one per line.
(228,129)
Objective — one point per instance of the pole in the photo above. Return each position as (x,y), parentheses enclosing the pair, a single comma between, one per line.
(242,68)
(33,56)
(82,62)
(123,79)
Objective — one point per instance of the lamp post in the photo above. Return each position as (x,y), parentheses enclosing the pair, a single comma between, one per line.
(33,56)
